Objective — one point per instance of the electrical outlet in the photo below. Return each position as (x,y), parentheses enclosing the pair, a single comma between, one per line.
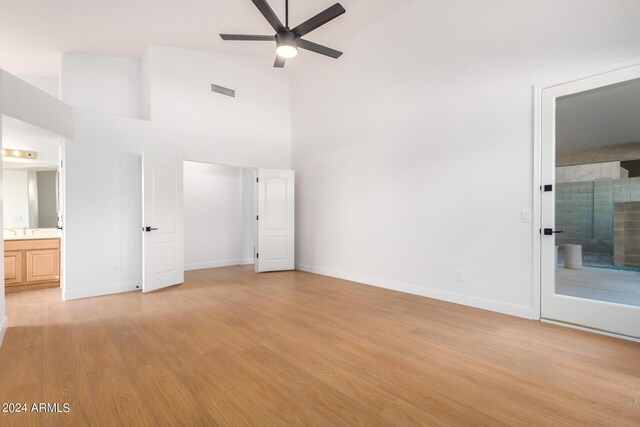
(526,216)
(459,276)
(116,268)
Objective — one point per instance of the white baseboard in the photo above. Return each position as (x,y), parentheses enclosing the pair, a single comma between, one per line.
(216,264)
(472,301)
(3,328)
(96,292)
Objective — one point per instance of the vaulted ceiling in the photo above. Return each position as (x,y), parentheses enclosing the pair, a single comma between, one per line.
(34,33)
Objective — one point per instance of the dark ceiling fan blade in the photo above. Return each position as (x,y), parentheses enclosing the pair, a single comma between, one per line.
(280,61)
(319,20)
(318,48)
(269,14)
(247,37)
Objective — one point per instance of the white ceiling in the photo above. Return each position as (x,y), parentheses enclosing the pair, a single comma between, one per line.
(605,116)
(33,33)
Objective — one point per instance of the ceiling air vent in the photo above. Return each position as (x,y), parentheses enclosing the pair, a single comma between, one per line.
(223,90)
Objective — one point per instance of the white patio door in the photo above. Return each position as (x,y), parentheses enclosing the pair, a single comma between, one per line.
(163,237)
(275,209)
(560,299)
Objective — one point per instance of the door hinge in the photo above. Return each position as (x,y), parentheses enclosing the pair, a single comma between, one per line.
(257,255)
(257,179)
(257,217)
(547,188)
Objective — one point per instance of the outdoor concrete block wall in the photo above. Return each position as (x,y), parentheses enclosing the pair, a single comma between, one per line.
(626,250)
(574,212)
(585,211)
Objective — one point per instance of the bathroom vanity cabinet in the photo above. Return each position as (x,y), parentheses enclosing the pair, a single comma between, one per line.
(31,264)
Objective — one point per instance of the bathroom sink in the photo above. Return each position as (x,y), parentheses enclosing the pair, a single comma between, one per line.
(34,233)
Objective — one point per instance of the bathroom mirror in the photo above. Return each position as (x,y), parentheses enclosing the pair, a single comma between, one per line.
(31,199)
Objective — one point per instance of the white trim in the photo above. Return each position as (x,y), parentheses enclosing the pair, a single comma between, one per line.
(62,214)
(216,264)
(3,328)
(477,302)
(102,290)
(597,331)
(537,202)
(537,167)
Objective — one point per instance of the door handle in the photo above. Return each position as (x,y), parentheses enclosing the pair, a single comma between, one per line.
(550,232)
(149,229)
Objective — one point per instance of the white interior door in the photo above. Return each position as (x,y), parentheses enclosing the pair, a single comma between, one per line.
(556,303)
(276,211)
(163,236)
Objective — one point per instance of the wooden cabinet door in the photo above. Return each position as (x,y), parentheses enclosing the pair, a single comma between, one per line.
(43,265)
(12,267)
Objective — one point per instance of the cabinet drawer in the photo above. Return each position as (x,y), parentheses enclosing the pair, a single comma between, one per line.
(27,244)
(43,265)
(12,267)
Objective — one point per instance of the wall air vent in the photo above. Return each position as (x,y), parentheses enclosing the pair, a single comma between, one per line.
(223,90)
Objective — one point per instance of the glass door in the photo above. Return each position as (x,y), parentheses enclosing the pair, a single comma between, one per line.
(590,247)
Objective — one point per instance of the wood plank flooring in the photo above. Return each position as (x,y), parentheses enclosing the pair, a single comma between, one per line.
(230,347)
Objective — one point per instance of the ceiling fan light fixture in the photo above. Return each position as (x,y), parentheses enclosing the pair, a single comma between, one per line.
(287,51)
(287,45)
(289,40)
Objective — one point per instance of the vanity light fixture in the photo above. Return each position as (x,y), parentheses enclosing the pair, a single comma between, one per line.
(19,154)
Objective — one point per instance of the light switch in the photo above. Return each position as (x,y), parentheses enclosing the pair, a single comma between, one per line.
(526,216)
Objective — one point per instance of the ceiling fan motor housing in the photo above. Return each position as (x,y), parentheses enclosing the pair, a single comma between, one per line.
(287,39)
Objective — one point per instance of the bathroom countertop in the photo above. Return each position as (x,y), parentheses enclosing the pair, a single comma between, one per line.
(49,233)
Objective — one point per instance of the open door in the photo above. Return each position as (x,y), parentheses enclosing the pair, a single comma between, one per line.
(163,236)
(589,218)
(276,237)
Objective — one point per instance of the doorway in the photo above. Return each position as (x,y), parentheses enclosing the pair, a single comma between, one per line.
(32,207)
(590,202)
(199,215)
(219,215)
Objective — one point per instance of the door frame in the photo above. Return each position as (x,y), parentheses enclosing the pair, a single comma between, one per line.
(62,164)
(606,75)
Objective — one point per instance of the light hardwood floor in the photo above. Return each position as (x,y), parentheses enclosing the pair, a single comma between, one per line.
(230,347)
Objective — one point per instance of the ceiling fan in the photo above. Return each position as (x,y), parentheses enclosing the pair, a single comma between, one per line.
(289,40)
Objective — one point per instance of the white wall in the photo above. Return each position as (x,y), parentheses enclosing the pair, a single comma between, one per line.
(101,83)
(16,198)
(414,151)
(254,128)
(213,215)
(48,84)
(27,103)
(102,172)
